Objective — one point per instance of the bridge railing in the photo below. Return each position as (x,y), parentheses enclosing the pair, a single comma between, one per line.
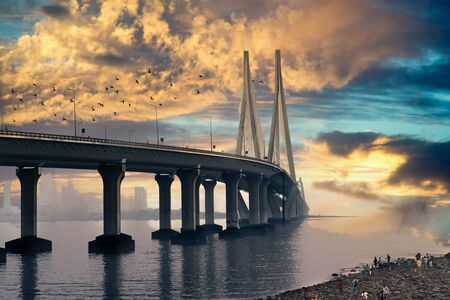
(57,137)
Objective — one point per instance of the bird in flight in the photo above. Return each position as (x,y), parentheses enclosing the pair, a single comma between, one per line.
(115,113)
(175,98)
(42,103)
(14,120)
(14,108)
(20,100)
(54,89)
(171,84)
(93,119)
(93,109)
(12,91)
(201,76)
(35,84)
(123,101)
(129,104)
(137,81)
(117,92)
(151,98)
(100,104)
(35,95)
(149,71)
(117,78)
(63,119)
(261,81)
(198,91)
(34,121)
(111,86)
(54,114)
(106,88)
(71,100)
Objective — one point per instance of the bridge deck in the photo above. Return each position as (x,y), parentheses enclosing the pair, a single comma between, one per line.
(61,151)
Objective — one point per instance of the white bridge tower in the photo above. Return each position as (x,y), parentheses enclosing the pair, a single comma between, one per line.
(250,139)
(280,124)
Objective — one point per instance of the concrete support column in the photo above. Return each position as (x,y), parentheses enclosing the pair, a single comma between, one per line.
(28,178)
(112,240)
(209,185)
(188,180)
(263,216)
(189,185)
(165,231)
(231,186)
(164,183)
(253,183)
(198,182)
(29,242)
(112,176)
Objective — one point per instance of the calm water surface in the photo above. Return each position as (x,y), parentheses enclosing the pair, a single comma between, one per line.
(291,257)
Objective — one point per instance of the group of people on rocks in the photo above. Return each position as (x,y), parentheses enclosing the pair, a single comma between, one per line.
(419,261)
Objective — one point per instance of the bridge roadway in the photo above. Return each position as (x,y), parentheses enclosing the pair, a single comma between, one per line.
(263,180)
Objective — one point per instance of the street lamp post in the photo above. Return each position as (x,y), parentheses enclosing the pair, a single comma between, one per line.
(210,134)
(129,134)
(156,121)
(74,110)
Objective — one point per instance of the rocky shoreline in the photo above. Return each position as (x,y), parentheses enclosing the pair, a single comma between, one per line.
(404,282)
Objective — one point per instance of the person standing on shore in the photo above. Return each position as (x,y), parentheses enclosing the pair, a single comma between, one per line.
(388,258)
(375,261)
(385,292)
(355,286)
(341,285)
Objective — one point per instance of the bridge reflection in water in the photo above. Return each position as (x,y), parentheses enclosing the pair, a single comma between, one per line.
(238,268)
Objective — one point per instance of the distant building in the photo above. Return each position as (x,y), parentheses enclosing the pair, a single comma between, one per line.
(140,198)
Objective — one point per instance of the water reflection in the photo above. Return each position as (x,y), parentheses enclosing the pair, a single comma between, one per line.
(250,267)
(28,276)
(165,270)
(112,275)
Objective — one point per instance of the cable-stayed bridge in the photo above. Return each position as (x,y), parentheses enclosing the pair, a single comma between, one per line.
(274,193)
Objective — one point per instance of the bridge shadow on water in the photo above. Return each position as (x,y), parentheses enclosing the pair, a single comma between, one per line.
(248,267)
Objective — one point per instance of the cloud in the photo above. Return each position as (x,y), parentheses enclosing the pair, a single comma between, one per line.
(426,164)
(359,190)
(343,144)
(179,41)
(54,10)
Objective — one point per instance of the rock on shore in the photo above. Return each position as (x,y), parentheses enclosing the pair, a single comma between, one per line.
(402,281)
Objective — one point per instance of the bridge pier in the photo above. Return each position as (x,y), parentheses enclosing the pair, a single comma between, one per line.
(254,227)
(28,242)
(2,255)
(112,240)
(263,204)
(231,187)
(198,182)
(165,230)
(188,234)
(209,226)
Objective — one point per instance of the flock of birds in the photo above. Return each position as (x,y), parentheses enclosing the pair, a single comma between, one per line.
(108,89)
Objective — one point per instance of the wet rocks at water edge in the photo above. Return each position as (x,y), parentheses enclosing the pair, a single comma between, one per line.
(405,281)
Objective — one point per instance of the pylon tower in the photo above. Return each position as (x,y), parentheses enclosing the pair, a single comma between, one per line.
(250,140)
(280,125)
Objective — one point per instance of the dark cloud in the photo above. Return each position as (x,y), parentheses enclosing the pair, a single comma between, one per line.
(55,11)
(343,144)
(427,163)
(110,59)
(360,190)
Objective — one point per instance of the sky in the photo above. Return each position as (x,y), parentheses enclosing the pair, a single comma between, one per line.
(367,86)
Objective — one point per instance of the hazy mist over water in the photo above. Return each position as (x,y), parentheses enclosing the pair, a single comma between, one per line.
(293,256)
